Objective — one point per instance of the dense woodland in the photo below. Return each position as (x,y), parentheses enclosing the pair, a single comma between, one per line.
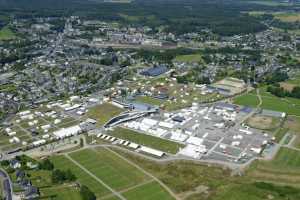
(226,17)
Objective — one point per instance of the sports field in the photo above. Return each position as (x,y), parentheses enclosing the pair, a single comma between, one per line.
(147,140)
(103,113)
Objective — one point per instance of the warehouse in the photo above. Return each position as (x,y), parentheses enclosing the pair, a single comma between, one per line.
(67,132)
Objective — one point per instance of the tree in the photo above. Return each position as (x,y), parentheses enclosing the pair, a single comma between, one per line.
(58,176)
(46,165)
(69,176)
(86,193)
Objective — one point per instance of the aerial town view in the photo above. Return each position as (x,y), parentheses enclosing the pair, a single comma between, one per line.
(150,100)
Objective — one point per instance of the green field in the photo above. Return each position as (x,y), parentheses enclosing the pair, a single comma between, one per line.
(247,100)
(6,34)
(199,182)
(61,162)
(108,167)
(149,191)
(189,58)
(285,168)
(60,193)
(288,105)
(147,140)
(103,113)
(149,100)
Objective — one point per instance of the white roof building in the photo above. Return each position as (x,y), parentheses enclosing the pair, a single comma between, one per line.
(67,132)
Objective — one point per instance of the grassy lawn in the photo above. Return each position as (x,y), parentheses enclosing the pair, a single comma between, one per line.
(147,140)
(149,100)
(149,191)
(6,34)
(103,113)
(247,100)
(61,162)
(189,58)
(60,193)
(293,124)
(110,168)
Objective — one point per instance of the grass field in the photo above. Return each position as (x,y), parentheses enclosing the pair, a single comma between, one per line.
(147,140)
(60,193)
(263,122)
(149,100)
(287,17)
(61,162)
(149,191)
(103,113)
(247,100)
(285,168)
(108,167)
(288,105)
(198,182)
(189,58)
(6,34)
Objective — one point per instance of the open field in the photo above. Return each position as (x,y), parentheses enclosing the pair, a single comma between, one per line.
(192,181)
(60,193)
(263,122)
(287,17)
(61,162)
(189,58)
(247,100)
(288,105)
(6,34)
(149,191)
(147,140)
(293,124)
(149,100)
(279,134)
(285,168)
(103,113)
(111,169)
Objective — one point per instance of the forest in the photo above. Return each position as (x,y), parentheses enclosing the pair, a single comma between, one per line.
(226,18)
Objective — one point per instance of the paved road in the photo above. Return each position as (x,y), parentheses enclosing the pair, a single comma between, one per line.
(96,178)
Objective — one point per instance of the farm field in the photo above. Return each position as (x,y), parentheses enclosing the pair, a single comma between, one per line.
(147,140)
(63,163)
(110,168)
(103,113)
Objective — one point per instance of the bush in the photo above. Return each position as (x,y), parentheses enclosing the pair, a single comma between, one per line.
(86,193)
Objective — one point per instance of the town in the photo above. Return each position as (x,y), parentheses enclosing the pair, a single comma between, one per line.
(102,109)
